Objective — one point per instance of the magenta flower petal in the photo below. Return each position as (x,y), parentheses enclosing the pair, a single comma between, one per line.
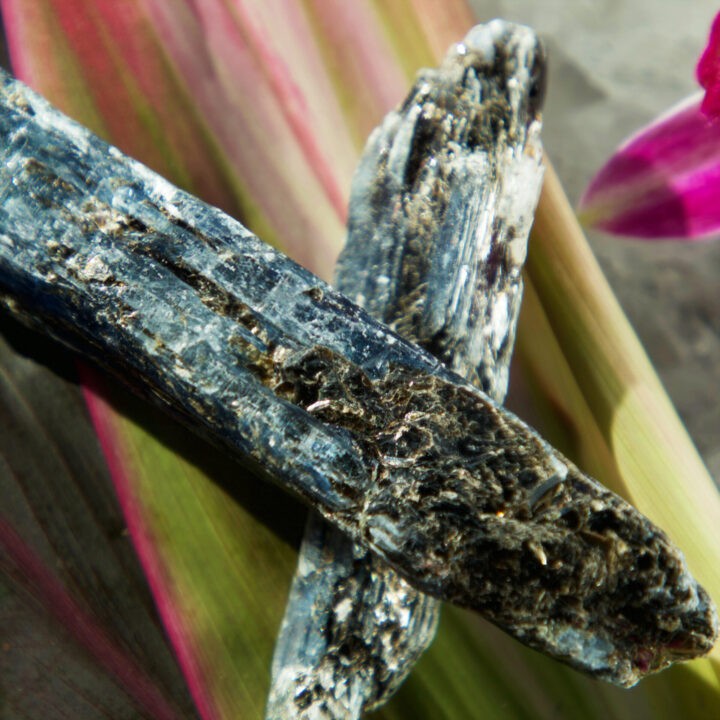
(708,72)
(664,182)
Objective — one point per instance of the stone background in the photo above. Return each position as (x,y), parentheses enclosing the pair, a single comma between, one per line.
(614,65)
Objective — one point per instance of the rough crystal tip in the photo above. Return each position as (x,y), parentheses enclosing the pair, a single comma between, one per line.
(518,50)
(695,636)
(671,619)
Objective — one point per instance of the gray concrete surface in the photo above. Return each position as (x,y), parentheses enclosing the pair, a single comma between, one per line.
(614,65)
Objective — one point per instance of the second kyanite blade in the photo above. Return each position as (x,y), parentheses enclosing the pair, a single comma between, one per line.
(440,213)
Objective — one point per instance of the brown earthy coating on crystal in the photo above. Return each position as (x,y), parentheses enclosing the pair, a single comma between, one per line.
(478,511)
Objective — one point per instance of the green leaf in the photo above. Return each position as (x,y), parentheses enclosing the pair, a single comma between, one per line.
(79,636)
(208,536)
